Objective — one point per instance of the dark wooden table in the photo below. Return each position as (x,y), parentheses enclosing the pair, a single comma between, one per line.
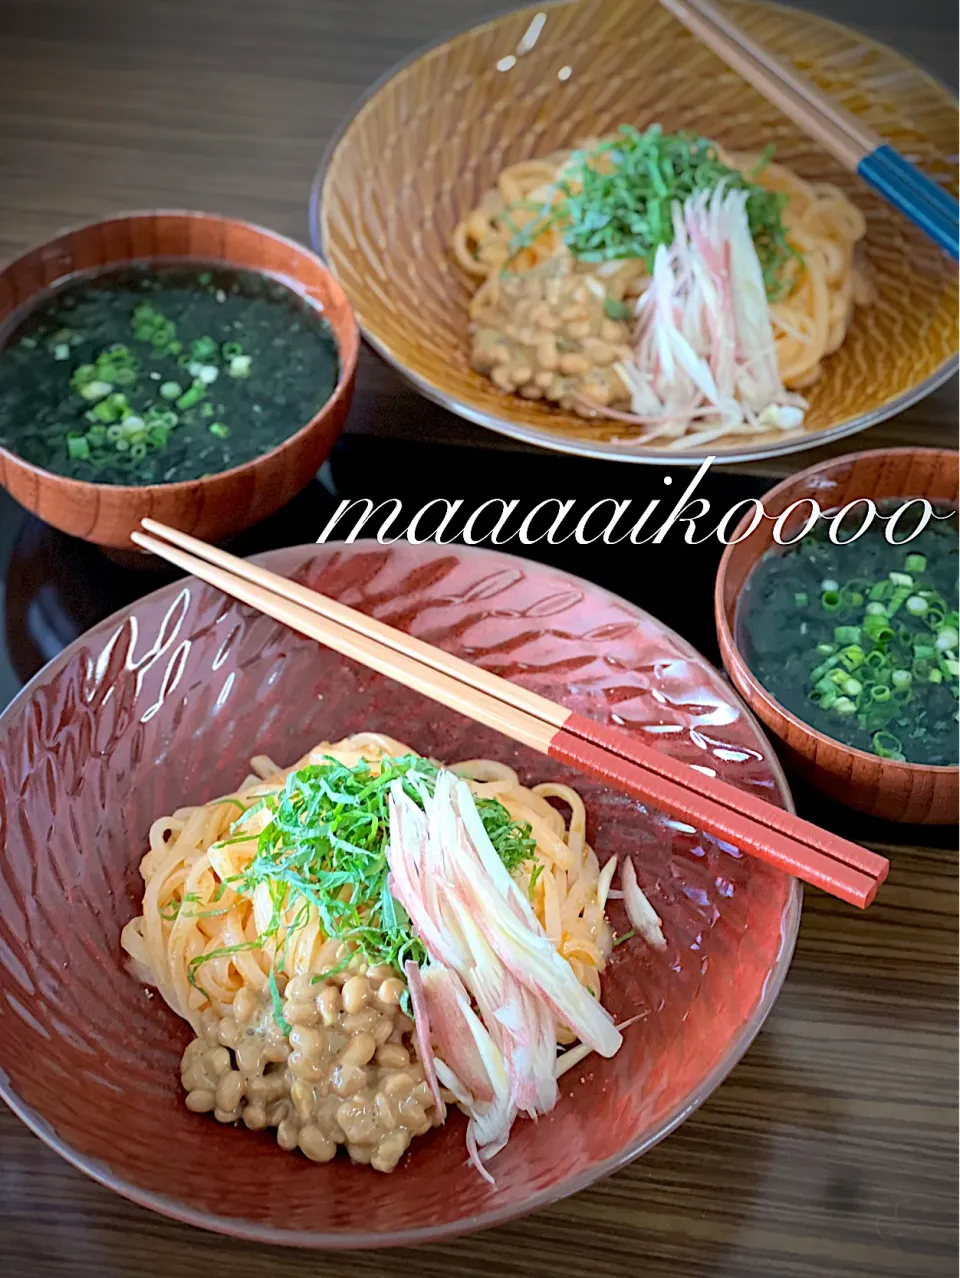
(832,1148)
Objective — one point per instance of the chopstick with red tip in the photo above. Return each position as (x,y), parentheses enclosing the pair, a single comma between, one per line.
(786,841)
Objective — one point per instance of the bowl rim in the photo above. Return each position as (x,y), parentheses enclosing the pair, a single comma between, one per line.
(728,641)
(345,373)
(243,1229)
(559,441)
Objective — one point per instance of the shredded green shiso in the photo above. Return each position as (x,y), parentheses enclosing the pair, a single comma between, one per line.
(623,209)
(328,830)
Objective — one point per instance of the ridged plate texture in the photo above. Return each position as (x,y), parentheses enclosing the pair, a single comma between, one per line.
(429,142)
(162,705)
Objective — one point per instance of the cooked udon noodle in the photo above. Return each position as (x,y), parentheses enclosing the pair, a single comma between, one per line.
(296,1029)
(541,318)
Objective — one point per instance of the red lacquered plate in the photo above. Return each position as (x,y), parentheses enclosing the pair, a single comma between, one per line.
(162,705)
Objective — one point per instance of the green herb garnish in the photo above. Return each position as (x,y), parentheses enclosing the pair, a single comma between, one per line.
(325,845)
(225,951)
(534,875)
(617,310)
(901,633)
(174,907)
(278,1015)
(616,200)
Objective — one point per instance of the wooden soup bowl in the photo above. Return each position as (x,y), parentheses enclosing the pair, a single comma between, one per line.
(912,792)
(219,505)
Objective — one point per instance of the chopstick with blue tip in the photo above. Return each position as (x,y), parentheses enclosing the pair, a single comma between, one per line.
(930,207)
(743,820)
(903,185)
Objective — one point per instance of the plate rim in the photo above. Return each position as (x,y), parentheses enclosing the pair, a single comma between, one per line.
(561,442)
(236,1227)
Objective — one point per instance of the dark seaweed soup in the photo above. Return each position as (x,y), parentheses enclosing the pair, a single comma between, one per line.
(155,373)
(861,641)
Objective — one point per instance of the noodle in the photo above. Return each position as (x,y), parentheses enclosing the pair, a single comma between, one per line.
(313,1016)
(511,319)
(190,909)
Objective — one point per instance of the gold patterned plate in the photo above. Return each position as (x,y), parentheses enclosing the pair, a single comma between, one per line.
(429,140)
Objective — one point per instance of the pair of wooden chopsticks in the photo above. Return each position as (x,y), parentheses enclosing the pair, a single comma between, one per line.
(857,147)
(842,868)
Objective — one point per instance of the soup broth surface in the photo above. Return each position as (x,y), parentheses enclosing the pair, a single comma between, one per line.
(860,640)
(161,372)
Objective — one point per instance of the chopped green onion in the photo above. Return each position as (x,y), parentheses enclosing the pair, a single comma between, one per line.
(878,629)
(900,578)
(110,409)
(830,600)
(95,390)
(218,429)
(852,657)
(916,605)
(897,599)
(239,366)
(801,599)
(847,634)
(203,348)
(171,390)
(78,448)
(191,396)
(887,746)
